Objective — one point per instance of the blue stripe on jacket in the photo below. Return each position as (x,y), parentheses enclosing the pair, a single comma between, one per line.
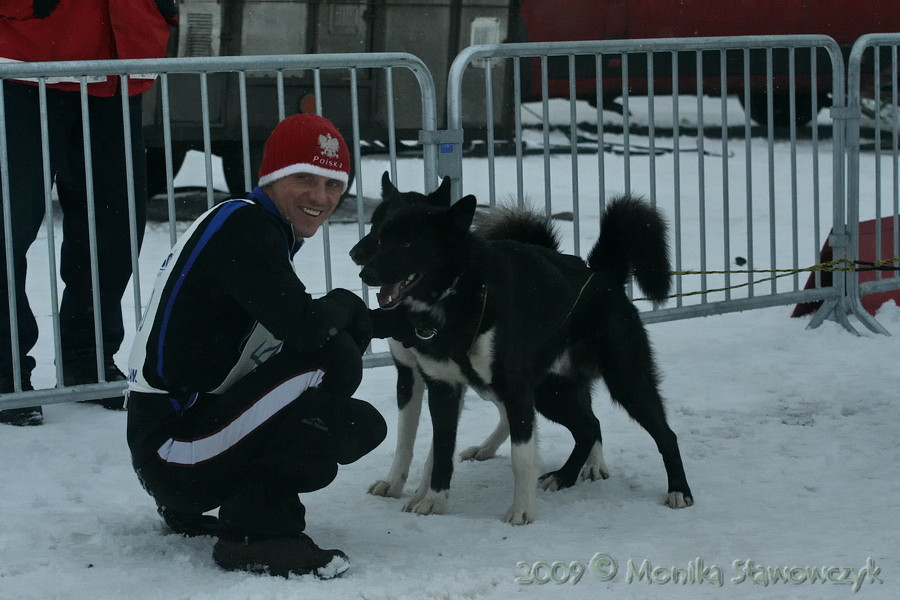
(214,225)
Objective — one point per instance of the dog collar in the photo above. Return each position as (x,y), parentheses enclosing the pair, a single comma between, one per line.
(425,334)
(428,333)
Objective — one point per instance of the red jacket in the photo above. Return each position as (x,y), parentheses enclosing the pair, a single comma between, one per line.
(86,30)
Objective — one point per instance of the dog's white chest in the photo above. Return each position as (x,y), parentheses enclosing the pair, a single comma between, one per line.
(480,357)
(441,369)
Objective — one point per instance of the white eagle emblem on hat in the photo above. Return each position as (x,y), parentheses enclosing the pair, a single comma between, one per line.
(329,145)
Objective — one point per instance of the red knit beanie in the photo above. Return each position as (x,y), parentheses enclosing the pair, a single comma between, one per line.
(305,144)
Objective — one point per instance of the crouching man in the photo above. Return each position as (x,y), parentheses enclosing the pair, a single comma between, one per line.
(240,383)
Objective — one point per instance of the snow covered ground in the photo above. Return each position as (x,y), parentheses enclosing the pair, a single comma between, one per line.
(789,438)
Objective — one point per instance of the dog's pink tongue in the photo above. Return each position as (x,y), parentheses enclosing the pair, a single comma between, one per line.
(388,294)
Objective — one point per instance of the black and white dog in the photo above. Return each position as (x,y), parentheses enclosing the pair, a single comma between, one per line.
(501,310)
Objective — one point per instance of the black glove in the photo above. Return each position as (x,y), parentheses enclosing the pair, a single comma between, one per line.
(381,323)
(351,303)
(391,324)
(358,324)
(360,329)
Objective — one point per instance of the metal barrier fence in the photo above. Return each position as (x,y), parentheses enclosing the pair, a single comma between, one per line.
(882,106)
(766,204)
(350,66)
(736,193)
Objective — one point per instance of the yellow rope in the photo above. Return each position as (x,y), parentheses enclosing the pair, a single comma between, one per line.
(841,264)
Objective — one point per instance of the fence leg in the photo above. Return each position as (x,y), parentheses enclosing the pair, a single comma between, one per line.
(851,301)
(832,309)
(868,320)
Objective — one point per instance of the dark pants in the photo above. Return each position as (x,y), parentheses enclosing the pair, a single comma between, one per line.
(67,170)
(251,450)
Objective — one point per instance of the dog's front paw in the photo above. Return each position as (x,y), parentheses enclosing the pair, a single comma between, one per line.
(432,503)
(477,453)
(679,500)
(519,515)
(387,489)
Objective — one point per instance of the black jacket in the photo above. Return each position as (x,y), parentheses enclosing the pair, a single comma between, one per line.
(226,298)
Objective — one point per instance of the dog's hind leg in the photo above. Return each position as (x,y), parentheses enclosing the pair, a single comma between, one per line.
(630,376)
(410,390)
(444,404)
(567,401)
(488,448)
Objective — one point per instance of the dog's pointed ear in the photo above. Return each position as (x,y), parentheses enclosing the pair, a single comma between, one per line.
(440,198)
(387,188)
(462,212)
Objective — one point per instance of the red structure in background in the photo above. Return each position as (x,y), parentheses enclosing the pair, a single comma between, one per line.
(867,245)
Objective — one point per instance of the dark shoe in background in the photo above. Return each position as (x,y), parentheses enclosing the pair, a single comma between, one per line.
(83,375)
(21,417)
(281,556)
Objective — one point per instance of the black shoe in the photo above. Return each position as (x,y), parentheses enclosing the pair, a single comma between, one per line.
(282,556)
(188,524)
(88,374)
(20,417)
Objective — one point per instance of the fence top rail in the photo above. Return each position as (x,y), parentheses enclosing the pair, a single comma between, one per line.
(854,63)
(876,39)
(540,49)
(224,64)
(645,45)
(217,64)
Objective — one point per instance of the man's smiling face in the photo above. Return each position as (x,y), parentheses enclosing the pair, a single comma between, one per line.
(305,200)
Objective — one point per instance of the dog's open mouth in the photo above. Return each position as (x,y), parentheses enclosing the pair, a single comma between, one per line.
(391,294)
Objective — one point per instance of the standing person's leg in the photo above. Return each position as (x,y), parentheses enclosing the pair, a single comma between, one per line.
(279,431)
(112,218)
(26,206)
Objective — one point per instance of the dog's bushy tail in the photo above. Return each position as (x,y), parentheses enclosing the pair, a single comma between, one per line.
(519,225)
(633,239)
